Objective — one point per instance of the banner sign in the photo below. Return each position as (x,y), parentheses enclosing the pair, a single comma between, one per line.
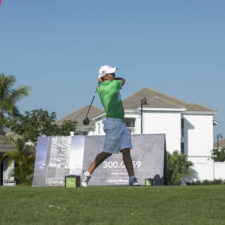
(57,157)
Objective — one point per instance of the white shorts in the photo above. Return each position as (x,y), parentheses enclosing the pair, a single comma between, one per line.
(117,136)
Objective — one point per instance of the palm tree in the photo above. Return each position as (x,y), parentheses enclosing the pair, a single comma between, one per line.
(23,157)
(9,97)
(177,167)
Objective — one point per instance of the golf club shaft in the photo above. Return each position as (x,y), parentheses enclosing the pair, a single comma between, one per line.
(91,102)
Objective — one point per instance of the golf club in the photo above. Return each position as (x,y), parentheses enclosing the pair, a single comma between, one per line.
(86,120)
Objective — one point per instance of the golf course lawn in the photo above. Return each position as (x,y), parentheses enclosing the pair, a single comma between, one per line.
(165,205)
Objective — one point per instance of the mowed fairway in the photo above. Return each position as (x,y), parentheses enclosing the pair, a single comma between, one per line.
(113,205)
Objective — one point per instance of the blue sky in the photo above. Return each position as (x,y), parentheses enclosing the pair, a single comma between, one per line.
(56,47)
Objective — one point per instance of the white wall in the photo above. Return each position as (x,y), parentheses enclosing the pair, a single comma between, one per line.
(219,170)
(168,123)
(207,171)
(198,135)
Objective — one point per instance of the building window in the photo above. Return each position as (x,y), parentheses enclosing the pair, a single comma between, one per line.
(130,123)
(182,147)
(182,127)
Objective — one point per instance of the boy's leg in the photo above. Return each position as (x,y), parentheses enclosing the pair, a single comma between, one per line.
(86,175)
(128,161)
(129,166)
(98,160)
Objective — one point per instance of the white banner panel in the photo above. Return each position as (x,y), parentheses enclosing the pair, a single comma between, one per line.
(57,157)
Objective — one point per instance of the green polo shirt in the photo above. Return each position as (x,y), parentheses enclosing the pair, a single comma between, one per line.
(110,97)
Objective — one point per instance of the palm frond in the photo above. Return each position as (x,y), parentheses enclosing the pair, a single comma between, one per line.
(6,82)
(19,93)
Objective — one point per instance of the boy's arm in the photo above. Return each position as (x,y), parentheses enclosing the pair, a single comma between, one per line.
(119,78)
(99,80)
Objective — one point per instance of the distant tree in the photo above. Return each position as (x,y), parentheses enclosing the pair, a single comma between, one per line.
(218,155)
(177,167)
(66,127)
(39,122)
(8,99)
(23,157)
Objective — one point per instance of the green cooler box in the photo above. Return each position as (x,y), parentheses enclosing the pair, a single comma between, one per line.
(148,182)
(72,181)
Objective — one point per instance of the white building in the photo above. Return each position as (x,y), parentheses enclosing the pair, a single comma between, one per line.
(188,126)
(57,163)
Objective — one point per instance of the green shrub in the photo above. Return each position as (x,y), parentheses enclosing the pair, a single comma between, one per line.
(207,182)
(23,157)
(177,167)
(218,155)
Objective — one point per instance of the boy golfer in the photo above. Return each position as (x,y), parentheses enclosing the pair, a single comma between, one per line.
(117,137)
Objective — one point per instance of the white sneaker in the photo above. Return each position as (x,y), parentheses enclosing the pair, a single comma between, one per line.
(133,182)
(85,177)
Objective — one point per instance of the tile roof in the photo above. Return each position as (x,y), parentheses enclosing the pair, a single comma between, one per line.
(80,114)
(156,99)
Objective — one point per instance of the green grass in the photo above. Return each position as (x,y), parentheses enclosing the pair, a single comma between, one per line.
(178,205)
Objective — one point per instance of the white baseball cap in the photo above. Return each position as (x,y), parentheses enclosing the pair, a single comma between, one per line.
(103,70)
